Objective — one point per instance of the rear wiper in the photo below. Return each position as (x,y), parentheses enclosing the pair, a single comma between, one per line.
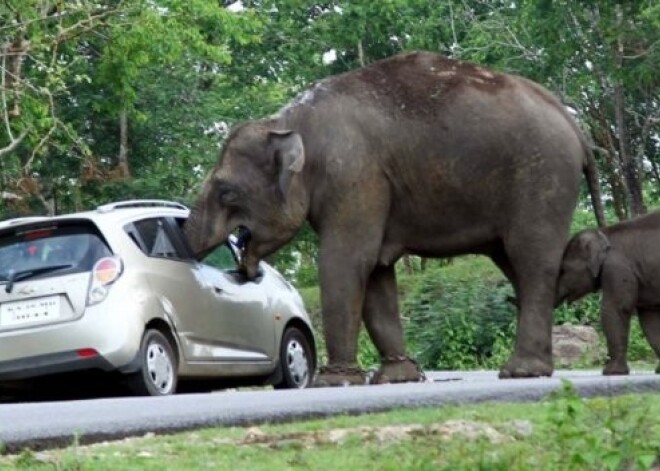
(15,276)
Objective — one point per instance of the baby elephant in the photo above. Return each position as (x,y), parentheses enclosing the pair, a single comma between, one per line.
(624,261)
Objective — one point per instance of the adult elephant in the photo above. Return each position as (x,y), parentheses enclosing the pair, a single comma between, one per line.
(415,154)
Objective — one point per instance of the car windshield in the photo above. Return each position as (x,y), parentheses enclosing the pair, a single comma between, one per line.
(36,249)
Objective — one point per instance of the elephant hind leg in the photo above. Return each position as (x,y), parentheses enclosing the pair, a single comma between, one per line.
(533,266)
(381,317)
(649,320)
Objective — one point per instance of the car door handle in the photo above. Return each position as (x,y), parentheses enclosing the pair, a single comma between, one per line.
(218,289)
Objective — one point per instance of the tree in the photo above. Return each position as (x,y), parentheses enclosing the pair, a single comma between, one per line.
(600,58)
(68,114)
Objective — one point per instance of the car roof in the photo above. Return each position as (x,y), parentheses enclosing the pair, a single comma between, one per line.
(111,213)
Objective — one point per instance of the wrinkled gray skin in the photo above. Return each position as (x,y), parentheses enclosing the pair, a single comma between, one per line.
(416,154)
(622,260)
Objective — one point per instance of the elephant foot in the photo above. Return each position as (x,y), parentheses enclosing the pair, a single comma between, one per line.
(400,369)
(616,368)
(340,375)
(521,367)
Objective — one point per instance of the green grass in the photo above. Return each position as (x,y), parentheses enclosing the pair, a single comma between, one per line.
(563,432)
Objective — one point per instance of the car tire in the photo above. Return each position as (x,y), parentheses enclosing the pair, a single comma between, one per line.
(157,374)
(296,360)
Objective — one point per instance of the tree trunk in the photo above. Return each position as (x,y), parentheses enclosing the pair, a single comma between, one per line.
(629,165)
(360,53)
(407,265)
(628,161)
(12,74)
(124,171)
(605,142)
(656,172)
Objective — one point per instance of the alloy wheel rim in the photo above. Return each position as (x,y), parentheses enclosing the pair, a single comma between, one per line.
(159,368)
(297,363)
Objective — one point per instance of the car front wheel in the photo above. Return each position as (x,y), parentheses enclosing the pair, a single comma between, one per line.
(157,375)
(295,360)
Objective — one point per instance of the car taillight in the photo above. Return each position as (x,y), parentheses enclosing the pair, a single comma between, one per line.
(87,353)
(105,272)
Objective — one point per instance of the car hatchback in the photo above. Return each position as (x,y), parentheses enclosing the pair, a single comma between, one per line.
(117,289)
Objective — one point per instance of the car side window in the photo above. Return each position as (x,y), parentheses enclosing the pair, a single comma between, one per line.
(156,241)
(221,258)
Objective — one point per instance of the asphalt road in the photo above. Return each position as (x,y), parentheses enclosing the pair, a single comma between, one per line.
(41,425)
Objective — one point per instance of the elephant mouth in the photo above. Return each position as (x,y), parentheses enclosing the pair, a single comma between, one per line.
(248,263)
(243,237)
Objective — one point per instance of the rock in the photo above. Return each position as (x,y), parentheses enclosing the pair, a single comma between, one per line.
(519,428)
(574,345)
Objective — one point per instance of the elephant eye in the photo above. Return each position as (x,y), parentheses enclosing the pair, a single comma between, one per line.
(228,197)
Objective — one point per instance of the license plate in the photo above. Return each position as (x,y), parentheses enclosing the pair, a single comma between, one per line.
(31,311)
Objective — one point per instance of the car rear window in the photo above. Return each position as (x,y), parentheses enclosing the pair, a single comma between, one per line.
(74,247)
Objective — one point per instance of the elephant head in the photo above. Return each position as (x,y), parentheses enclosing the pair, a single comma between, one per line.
(255,188)
(581,266)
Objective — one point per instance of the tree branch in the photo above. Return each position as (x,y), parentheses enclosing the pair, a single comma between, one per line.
(14,143)
(643,53)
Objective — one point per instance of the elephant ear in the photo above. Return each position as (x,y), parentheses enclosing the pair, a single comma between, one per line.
(289,154)
(598,247)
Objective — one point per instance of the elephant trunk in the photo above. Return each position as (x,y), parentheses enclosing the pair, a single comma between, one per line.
(198,230)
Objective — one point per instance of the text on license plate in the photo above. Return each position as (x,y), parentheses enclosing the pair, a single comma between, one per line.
(30,311)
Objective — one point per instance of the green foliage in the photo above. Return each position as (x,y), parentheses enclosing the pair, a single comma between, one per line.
(583,312)
(300,260)
(26,460)
(592,437)
(638,347)
(456,317)
(368,356)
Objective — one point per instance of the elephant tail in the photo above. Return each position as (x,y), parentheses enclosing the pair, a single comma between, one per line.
(593,183)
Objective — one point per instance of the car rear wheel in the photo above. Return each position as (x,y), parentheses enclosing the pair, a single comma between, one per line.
(157,375)
(296,360)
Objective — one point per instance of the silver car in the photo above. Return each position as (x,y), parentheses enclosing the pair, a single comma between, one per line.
(117,289)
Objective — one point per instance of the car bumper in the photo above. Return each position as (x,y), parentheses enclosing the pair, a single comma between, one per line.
(42,365)
(113,335)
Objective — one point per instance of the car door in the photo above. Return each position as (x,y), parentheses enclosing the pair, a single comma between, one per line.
(239,317)
(173,279)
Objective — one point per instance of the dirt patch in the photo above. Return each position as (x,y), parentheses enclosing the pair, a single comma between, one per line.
(255,436)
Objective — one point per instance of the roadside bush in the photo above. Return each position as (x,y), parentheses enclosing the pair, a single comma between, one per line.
(458,316)
(586,311)
(599,434)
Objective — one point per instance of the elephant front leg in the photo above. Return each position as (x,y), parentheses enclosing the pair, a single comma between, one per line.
(383,322)
(342,294)
(617,307)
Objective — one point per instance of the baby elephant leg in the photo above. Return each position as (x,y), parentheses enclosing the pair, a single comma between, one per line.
(616,326)
(649,320)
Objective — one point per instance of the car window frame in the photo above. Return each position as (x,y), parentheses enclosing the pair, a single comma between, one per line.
(166,222)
